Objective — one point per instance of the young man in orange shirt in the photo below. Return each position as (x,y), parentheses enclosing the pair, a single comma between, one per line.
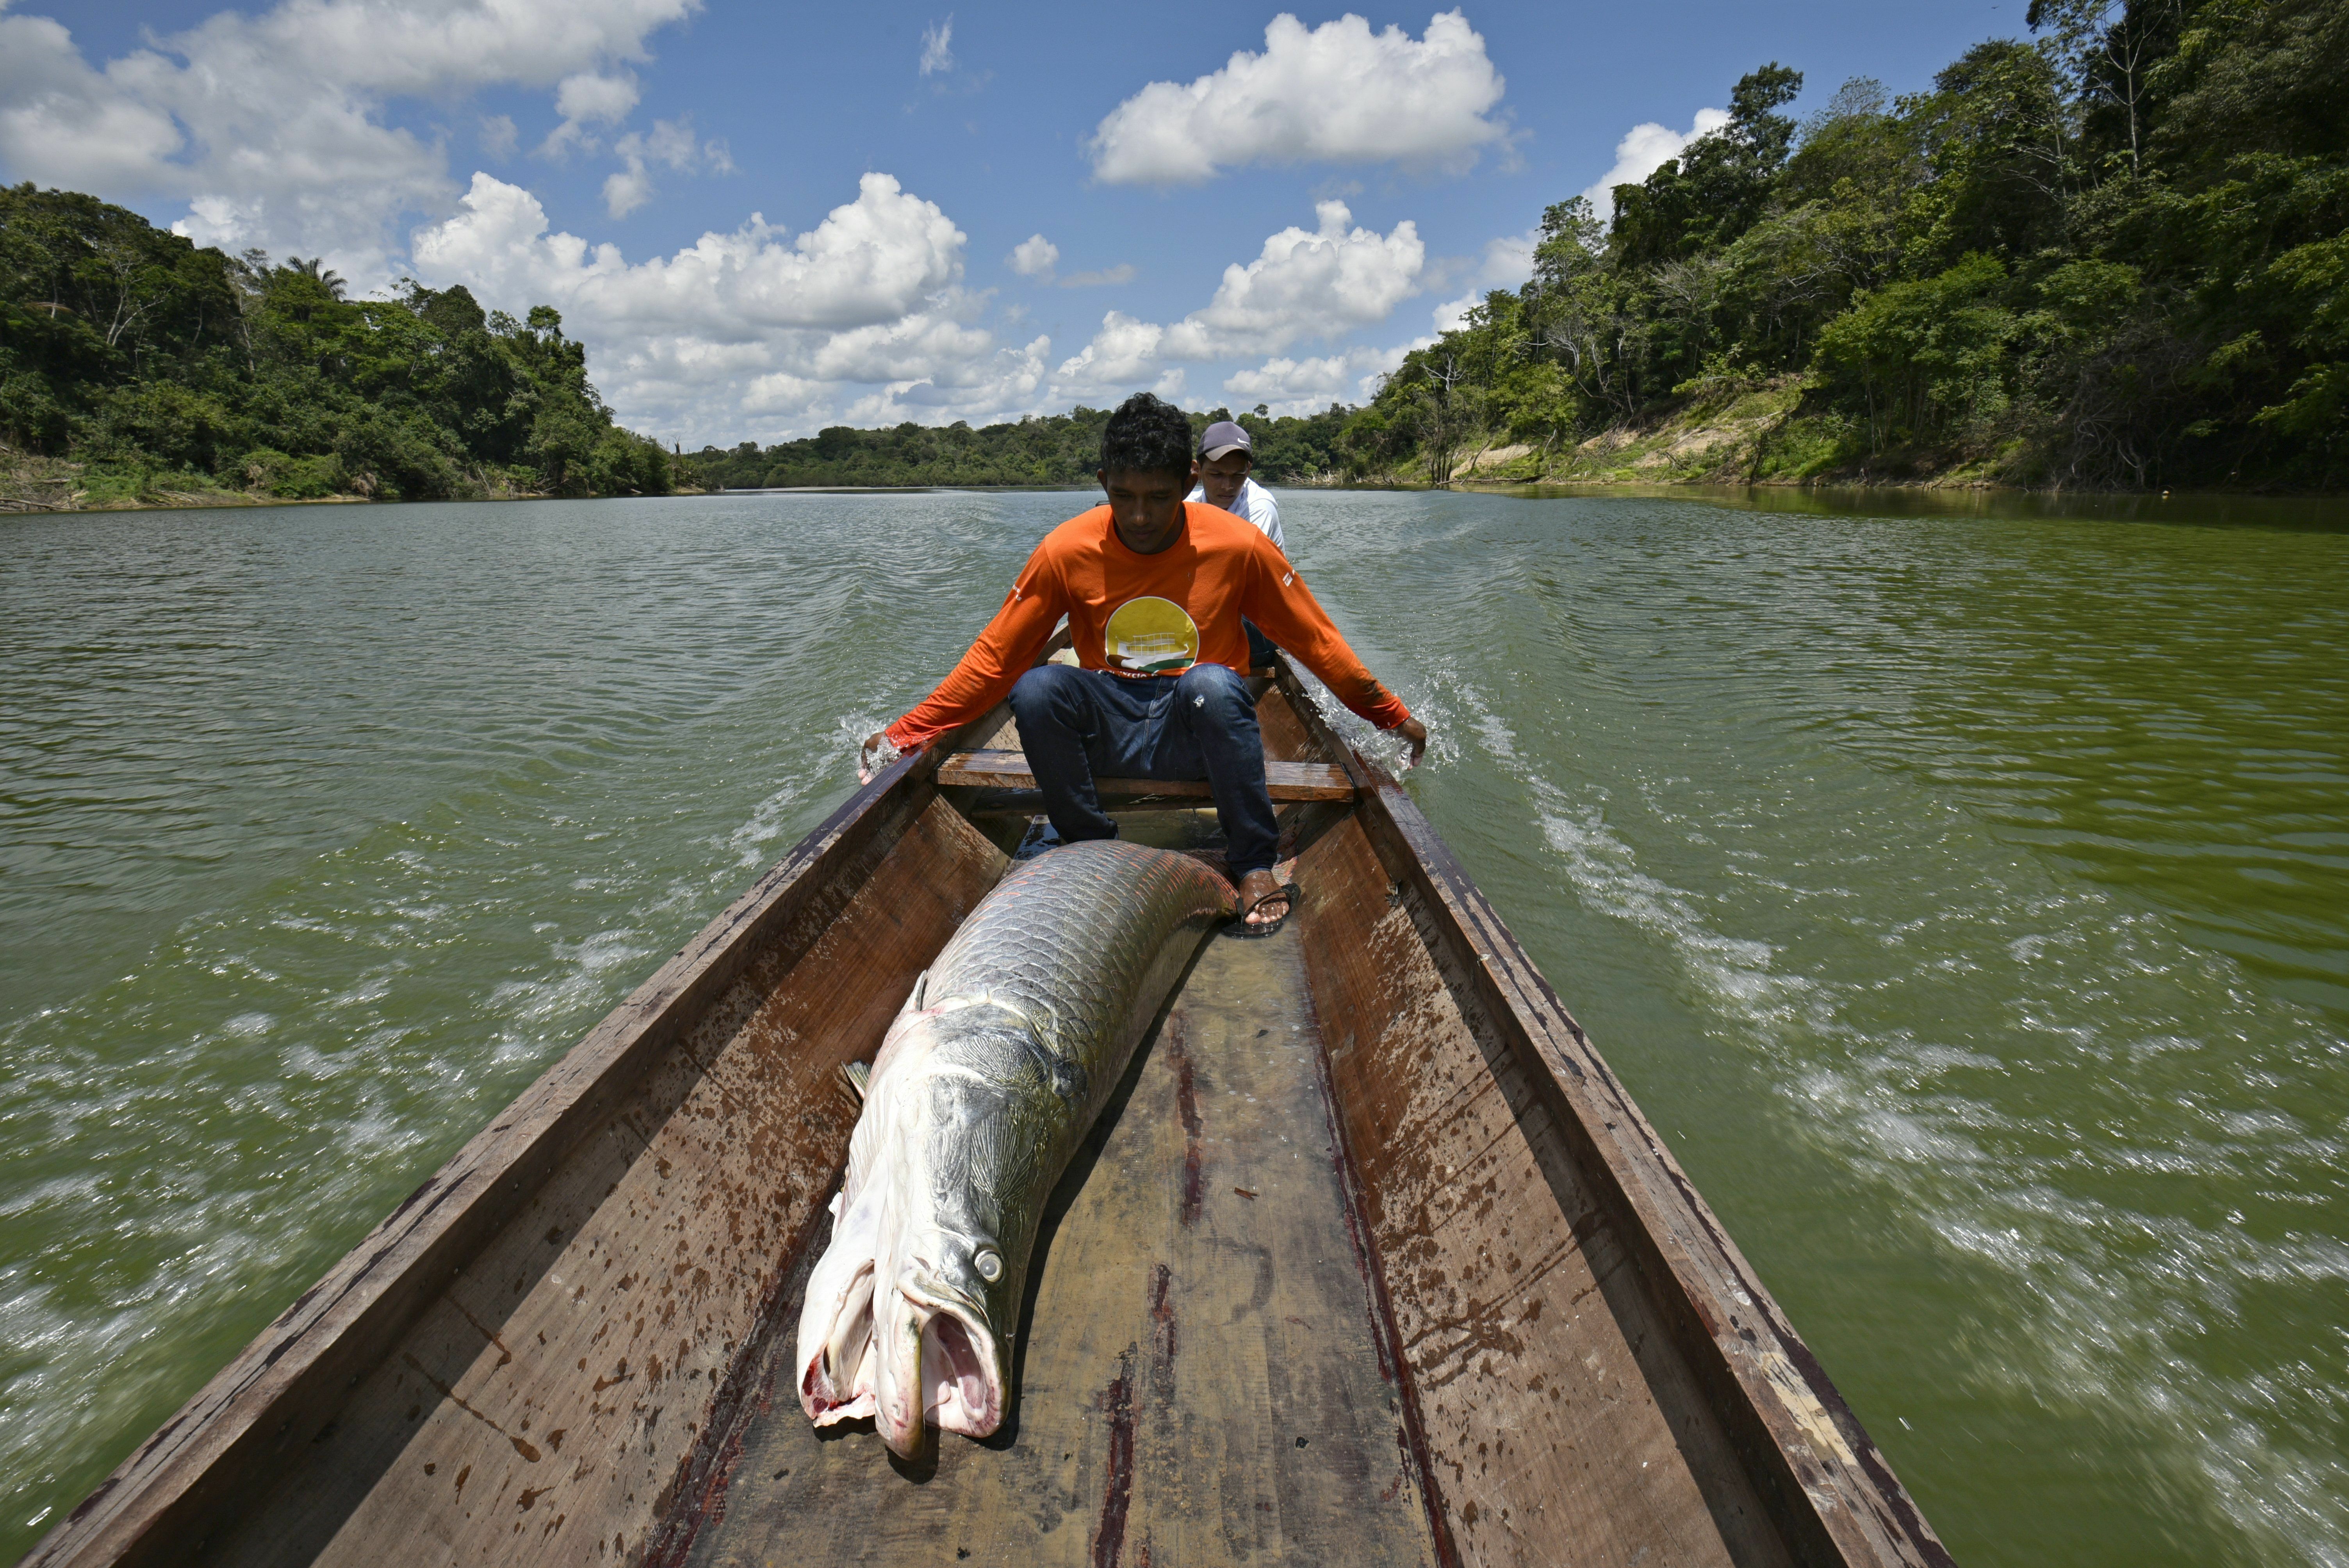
(1155,589)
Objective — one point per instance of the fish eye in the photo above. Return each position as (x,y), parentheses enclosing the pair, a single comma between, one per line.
(990,1263)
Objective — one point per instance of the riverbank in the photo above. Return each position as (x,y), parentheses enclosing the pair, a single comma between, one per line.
(1741,451)
(31,484)
(1740,432)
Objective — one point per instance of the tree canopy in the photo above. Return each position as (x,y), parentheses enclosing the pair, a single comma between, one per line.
(1053,450)
(125,345)
(2116,255)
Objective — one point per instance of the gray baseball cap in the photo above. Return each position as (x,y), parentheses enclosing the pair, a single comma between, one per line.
(1222,437)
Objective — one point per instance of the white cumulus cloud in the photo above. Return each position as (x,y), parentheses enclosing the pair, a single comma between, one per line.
(1642,151)
(595,99)
(1122,354)
(872,260)
(1034,257)
(1309,385)
(1316,283)
(63,123)
(272,126)
(1005,384)
(1338,93)
(584,100)
(758,328)
(670,141)
(1305,285)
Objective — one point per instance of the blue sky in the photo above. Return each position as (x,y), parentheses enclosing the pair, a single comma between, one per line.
(1363,176)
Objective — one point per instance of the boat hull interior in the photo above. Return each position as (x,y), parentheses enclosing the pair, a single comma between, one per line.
(1370,1260)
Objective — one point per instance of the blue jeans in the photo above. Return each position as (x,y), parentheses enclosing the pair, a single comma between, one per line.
(1261,646)
(1077,725)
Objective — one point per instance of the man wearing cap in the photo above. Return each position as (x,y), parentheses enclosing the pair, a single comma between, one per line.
(1155,589)
(1226,456)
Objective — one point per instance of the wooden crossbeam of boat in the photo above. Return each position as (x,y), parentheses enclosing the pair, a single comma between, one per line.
(1288,782)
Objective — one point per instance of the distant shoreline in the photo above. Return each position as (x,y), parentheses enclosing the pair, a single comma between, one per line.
(1909,497)
(232,501)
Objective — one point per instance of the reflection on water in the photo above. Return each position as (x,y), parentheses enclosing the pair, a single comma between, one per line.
(1966,895)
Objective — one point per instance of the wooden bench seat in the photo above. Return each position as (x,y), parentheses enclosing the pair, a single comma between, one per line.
(1009,770)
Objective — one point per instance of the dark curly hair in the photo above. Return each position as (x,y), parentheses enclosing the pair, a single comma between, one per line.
(1146,436)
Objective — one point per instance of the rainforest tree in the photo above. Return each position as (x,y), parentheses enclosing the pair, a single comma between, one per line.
(2117,254)
(124,343)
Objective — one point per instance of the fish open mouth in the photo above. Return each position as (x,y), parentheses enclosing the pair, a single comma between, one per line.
(935,1366)
(958,1386)
(960,1391)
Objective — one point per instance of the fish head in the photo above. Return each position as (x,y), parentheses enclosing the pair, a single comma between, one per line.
(951,1273)
(942,1356)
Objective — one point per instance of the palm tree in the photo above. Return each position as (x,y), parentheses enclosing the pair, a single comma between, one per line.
(331,282)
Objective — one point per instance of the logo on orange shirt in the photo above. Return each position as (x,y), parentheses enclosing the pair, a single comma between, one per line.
(1150,636)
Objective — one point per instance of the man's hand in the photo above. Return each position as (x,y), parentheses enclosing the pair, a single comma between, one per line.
(878,752)
(1411,730)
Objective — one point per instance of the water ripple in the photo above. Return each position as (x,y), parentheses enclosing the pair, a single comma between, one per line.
(1967,900)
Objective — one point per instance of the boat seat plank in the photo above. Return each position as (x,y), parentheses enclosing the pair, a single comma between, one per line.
(1203,1382)
(1552,1404)
(1009,770)
(549,1405)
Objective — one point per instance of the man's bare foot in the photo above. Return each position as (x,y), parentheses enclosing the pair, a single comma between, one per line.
(1264,903)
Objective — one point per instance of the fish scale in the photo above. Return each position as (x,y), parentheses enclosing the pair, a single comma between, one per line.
(1034,945)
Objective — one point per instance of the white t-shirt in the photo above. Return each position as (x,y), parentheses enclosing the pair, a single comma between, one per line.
(1254,503)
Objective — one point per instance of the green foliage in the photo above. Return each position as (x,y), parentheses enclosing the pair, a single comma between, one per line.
(131,349)
(273,473)
(1926,358)
(1702,201)
(2114,256)
(1061,450)
(162,421)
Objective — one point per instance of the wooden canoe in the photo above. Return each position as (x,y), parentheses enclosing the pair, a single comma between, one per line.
(1373,1260)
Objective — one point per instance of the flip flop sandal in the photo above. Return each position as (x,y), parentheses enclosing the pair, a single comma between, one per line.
(1240,926)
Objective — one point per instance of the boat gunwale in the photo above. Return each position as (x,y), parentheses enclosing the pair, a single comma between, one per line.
(1853,1512)
(210,1458)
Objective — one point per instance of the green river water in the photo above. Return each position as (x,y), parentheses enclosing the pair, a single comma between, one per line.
(1965,895)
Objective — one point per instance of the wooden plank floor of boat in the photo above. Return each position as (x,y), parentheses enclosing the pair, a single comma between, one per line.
(1203,1381)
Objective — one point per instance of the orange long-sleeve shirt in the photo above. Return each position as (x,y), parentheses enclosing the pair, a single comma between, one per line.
(1150,614)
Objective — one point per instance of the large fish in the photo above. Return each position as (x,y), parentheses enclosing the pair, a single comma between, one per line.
(983,1090)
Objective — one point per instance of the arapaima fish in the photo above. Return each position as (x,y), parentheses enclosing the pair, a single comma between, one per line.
(983,1088)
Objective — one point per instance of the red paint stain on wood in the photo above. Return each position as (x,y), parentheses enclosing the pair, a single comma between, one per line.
(1186,1105)
(1162,1336)
(1116,1402)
